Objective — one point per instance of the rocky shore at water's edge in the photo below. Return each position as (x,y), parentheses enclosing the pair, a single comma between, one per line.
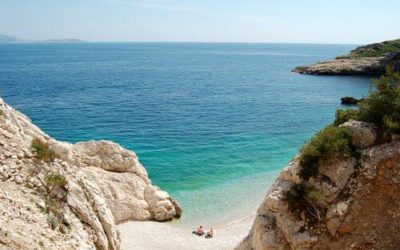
(367,60)
(354,192)
(70,196)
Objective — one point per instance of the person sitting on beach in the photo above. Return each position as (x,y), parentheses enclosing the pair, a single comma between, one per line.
(199,231)
(210,233)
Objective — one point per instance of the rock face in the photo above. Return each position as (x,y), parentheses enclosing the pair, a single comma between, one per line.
(366,60)
(363,134)
(355,191)
(105,184)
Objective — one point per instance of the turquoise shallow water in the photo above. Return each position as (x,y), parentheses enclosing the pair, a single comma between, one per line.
(212,123)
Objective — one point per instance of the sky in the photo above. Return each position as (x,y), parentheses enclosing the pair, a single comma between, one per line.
(258,21)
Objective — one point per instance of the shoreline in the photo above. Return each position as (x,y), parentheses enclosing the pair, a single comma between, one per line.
(142,234)
(230,226)
(224,203)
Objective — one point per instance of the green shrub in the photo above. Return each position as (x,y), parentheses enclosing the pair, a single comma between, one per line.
(330,143)
(55,180)
(343,115)
(315,196)
(42,150)
(382,105)
(55,196)
(302,197)
(295,197)
(54,206)
(391,124)
(41,244)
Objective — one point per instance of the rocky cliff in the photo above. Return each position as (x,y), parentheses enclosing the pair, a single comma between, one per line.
(365,60)
(357,200)
(57,195)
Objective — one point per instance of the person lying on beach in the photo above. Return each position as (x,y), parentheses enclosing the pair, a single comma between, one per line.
(210,233)
(199,231)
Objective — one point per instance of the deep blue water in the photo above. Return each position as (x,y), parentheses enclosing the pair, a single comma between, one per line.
(204,119)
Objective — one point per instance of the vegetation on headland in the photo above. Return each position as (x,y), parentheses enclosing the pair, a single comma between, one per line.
(381,107)
(376,49)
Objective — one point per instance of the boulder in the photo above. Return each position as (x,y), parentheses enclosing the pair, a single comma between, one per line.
(108,156)
(160,204)
(339,171)
(178,208)
(363,134)
(124,192)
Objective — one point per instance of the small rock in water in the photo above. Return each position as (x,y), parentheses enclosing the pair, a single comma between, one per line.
(349,100)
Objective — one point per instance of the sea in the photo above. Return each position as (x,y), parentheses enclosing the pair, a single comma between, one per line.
(213,123)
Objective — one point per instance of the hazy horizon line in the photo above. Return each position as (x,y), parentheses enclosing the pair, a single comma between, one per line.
(27,40)
(78,40)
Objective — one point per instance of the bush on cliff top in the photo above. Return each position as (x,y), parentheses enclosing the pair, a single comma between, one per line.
(330,143)
(381,106)
(42,150)
(343,115)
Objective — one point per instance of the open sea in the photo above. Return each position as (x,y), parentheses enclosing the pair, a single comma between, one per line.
(212,123)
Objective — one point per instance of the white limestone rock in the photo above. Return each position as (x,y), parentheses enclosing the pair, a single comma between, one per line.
(106,185)
(124,192)
(160,204)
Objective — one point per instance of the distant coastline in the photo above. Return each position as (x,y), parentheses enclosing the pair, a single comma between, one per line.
(5,39)
(369,60)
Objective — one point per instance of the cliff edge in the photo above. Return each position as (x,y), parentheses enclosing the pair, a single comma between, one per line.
(365,60)
(57,195)
(343,190)
(353,195)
